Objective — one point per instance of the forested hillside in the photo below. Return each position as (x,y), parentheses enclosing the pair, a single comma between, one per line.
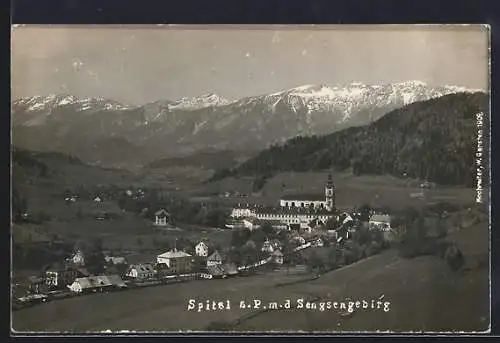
(434,139)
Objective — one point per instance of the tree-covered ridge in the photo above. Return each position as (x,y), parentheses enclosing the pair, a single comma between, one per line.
(433,139)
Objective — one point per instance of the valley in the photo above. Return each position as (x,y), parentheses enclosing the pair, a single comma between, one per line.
(56,209)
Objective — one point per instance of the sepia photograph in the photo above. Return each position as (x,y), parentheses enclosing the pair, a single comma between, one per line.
(250,179)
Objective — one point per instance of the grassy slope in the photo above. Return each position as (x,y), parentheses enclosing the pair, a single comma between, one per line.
(46,194)
(425,295)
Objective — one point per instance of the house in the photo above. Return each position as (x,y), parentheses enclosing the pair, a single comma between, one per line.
(318,242)
(103,215)
(233,224)
(267,247)
(426,184)
(230,268)
(70,199)
(35,284)
(141,271)
(277,256)
(94,283)
(245,211)
(201,249)
(345,218)
(315,223)
(176,261)
(82,271)
(115,259)
(298,240)
(216,271)
(161,217)
(251,223)
(78,258)
(305,228)
(276,244)
(275,224)
(59,276)
(342,234)
(222,270)
(380,221)
(215,259)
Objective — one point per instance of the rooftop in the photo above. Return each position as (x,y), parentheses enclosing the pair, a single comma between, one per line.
(100,281)
(174,254)
(264,221)
(304,197)
(215,270)
(216,256)
(291,210)
(144,267)
(381,218)
(161,212)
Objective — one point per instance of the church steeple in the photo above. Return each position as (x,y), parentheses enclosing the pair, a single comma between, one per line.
(330,181)
(330,193)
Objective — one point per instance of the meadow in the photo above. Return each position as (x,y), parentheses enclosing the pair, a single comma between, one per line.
(350,190)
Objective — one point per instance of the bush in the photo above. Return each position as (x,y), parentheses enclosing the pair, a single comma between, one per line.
(373,249)
(426,246)
(40,217)
(441,230)
(454,258)
(441,207)
(348,257)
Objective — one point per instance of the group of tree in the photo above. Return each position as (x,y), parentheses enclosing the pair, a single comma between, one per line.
(19,208)
(19,205)
(421,236)
(36,256)
(26,160)
(426,140)
(93,254)
(182,210)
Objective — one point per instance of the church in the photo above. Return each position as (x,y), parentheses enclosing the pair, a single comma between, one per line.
(301,210)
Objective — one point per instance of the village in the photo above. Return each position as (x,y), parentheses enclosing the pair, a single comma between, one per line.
(298,235)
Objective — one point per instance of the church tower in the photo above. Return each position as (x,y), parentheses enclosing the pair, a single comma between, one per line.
(330,194)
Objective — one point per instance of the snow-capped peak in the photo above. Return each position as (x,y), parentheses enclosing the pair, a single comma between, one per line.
(51,102)
(306,88)
(353,97)
(205,100)
(410,83)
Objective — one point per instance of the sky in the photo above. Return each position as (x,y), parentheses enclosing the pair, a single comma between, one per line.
(139,64)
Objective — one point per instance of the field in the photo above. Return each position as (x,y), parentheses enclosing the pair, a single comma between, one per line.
(129,232)
(155,308)
(350,190)
(424,294)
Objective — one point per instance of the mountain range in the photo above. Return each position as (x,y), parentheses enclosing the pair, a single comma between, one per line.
(105,132)
(434,139)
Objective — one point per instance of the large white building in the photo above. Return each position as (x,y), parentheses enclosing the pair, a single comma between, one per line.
(301,210)
(171,257)
(380,221)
